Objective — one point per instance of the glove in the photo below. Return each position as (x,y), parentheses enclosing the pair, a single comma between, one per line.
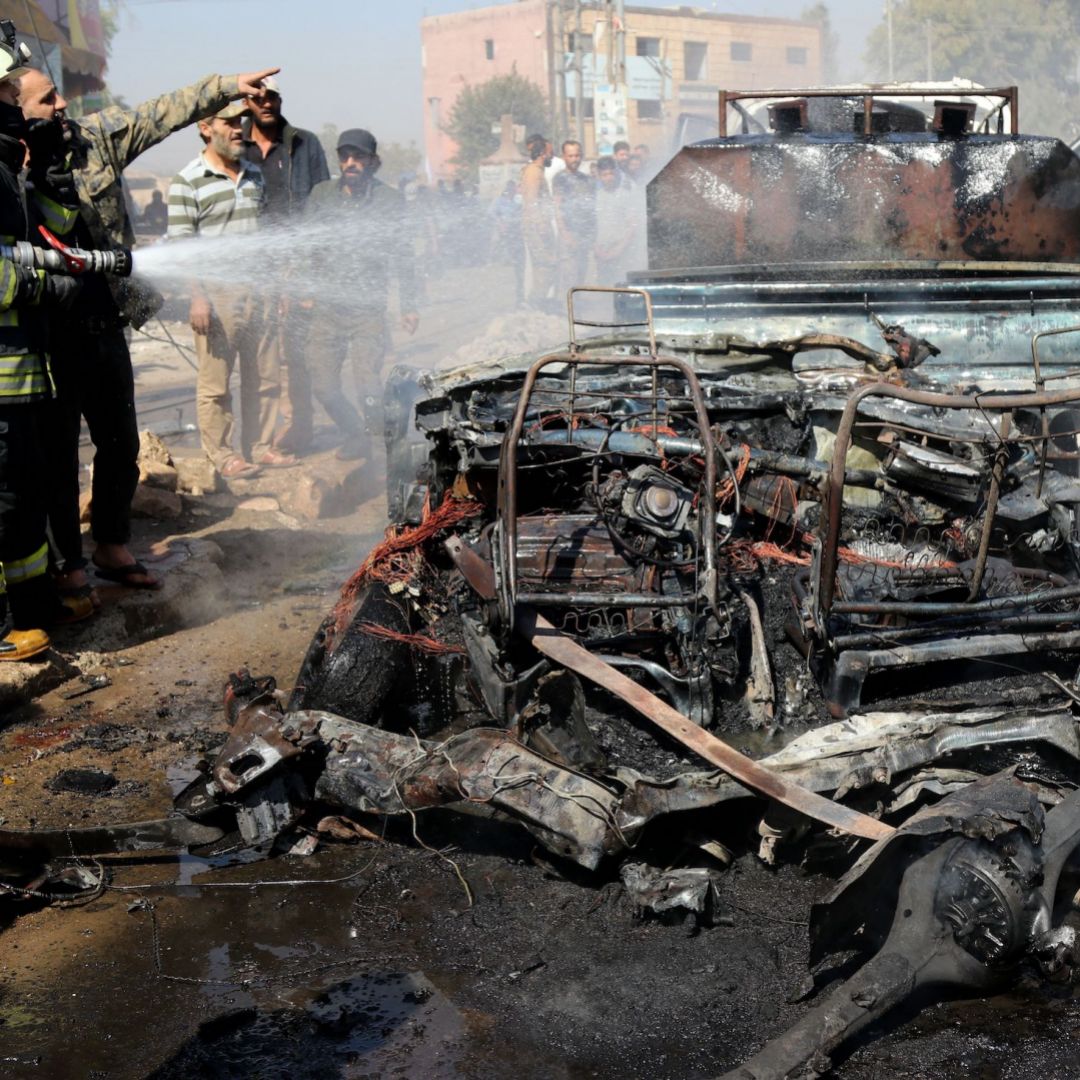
(28,286)
(45,141)
(49,168)
(61,290)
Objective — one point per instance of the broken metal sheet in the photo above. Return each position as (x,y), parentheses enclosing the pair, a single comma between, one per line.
(377,771)
(692,890)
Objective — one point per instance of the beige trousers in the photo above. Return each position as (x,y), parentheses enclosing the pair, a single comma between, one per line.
(243,328)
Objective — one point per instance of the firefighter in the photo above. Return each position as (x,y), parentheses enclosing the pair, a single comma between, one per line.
(28,603)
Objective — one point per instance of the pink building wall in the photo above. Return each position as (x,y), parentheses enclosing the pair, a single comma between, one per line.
(453,57)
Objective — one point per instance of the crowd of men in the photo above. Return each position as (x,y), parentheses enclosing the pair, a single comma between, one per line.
(576,226)
(64,354)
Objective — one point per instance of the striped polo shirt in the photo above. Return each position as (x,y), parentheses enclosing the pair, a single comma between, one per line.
(205,201)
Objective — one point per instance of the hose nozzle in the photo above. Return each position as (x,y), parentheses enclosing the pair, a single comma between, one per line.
(58,258)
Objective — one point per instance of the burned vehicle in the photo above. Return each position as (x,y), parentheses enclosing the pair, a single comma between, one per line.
(792,516)
(823,452)
(848,405)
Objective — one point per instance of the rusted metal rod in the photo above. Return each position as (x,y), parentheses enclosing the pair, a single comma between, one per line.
(1001,459)
(835,486)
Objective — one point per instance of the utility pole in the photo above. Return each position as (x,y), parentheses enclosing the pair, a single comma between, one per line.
(549,37)
(579,67)
(558,30)
(888,24)
(609,15)
(620,46)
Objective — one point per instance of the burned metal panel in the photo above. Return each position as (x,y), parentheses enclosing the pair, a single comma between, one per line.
(836,197)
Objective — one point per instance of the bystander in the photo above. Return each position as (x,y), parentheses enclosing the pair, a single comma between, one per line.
(220,193)
(538,224)
(292,162)
(575,216)
(373,217)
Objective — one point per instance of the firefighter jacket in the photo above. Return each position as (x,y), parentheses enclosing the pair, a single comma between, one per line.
(104,143)
(24,368)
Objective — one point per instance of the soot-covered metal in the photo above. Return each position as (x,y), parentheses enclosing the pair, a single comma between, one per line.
(826,461)
(801,527)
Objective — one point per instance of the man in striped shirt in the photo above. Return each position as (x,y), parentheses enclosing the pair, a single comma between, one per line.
(221,194)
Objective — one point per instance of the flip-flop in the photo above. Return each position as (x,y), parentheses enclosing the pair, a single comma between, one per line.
(122,575)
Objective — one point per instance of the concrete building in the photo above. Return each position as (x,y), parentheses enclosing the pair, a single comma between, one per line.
(677,59)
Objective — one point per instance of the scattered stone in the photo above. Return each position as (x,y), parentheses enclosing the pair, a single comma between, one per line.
(158,475)
(153,449)
(150,502)
(323,489)
(82,782)
(510,335)
(85,501)
(197,475)
(20,683)
(263,504)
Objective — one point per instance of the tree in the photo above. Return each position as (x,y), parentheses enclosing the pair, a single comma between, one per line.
(398,161)
(473,122)
(819,15)
(1029,43)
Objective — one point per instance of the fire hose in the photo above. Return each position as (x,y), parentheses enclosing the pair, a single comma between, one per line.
(58,258)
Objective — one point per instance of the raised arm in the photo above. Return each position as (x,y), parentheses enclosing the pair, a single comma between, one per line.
(133,131)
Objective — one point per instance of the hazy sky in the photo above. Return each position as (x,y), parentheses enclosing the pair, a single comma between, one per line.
(347,62)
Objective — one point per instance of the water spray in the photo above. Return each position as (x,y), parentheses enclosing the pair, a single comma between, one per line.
(58,258)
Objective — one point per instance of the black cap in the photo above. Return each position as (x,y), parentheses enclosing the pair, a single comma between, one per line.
(358,139)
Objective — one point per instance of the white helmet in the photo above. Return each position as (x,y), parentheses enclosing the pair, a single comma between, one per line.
(14,55)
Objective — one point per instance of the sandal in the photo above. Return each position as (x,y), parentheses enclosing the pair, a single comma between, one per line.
(277,459)
(122,575)
(236,468)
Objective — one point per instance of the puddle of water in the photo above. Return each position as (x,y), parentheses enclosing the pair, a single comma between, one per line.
(379,1024)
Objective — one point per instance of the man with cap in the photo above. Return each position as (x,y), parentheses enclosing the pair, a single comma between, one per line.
(91,361)
(292,162)
(221,193)
(372,216)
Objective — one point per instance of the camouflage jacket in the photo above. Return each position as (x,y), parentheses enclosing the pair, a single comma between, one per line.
(104,143)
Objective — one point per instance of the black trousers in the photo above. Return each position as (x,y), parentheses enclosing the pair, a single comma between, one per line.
(30,599)
(94,380)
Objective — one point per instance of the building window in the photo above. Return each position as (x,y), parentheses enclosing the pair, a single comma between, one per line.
(433,108)
(696,60)
(648,46)
(586,42)
(587,113)
(489,48)
(741,50)
(648,109)
(796,54)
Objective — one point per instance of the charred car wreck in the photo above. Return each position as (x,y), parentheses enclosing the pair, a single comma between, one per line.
(811,488)
(824,452)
